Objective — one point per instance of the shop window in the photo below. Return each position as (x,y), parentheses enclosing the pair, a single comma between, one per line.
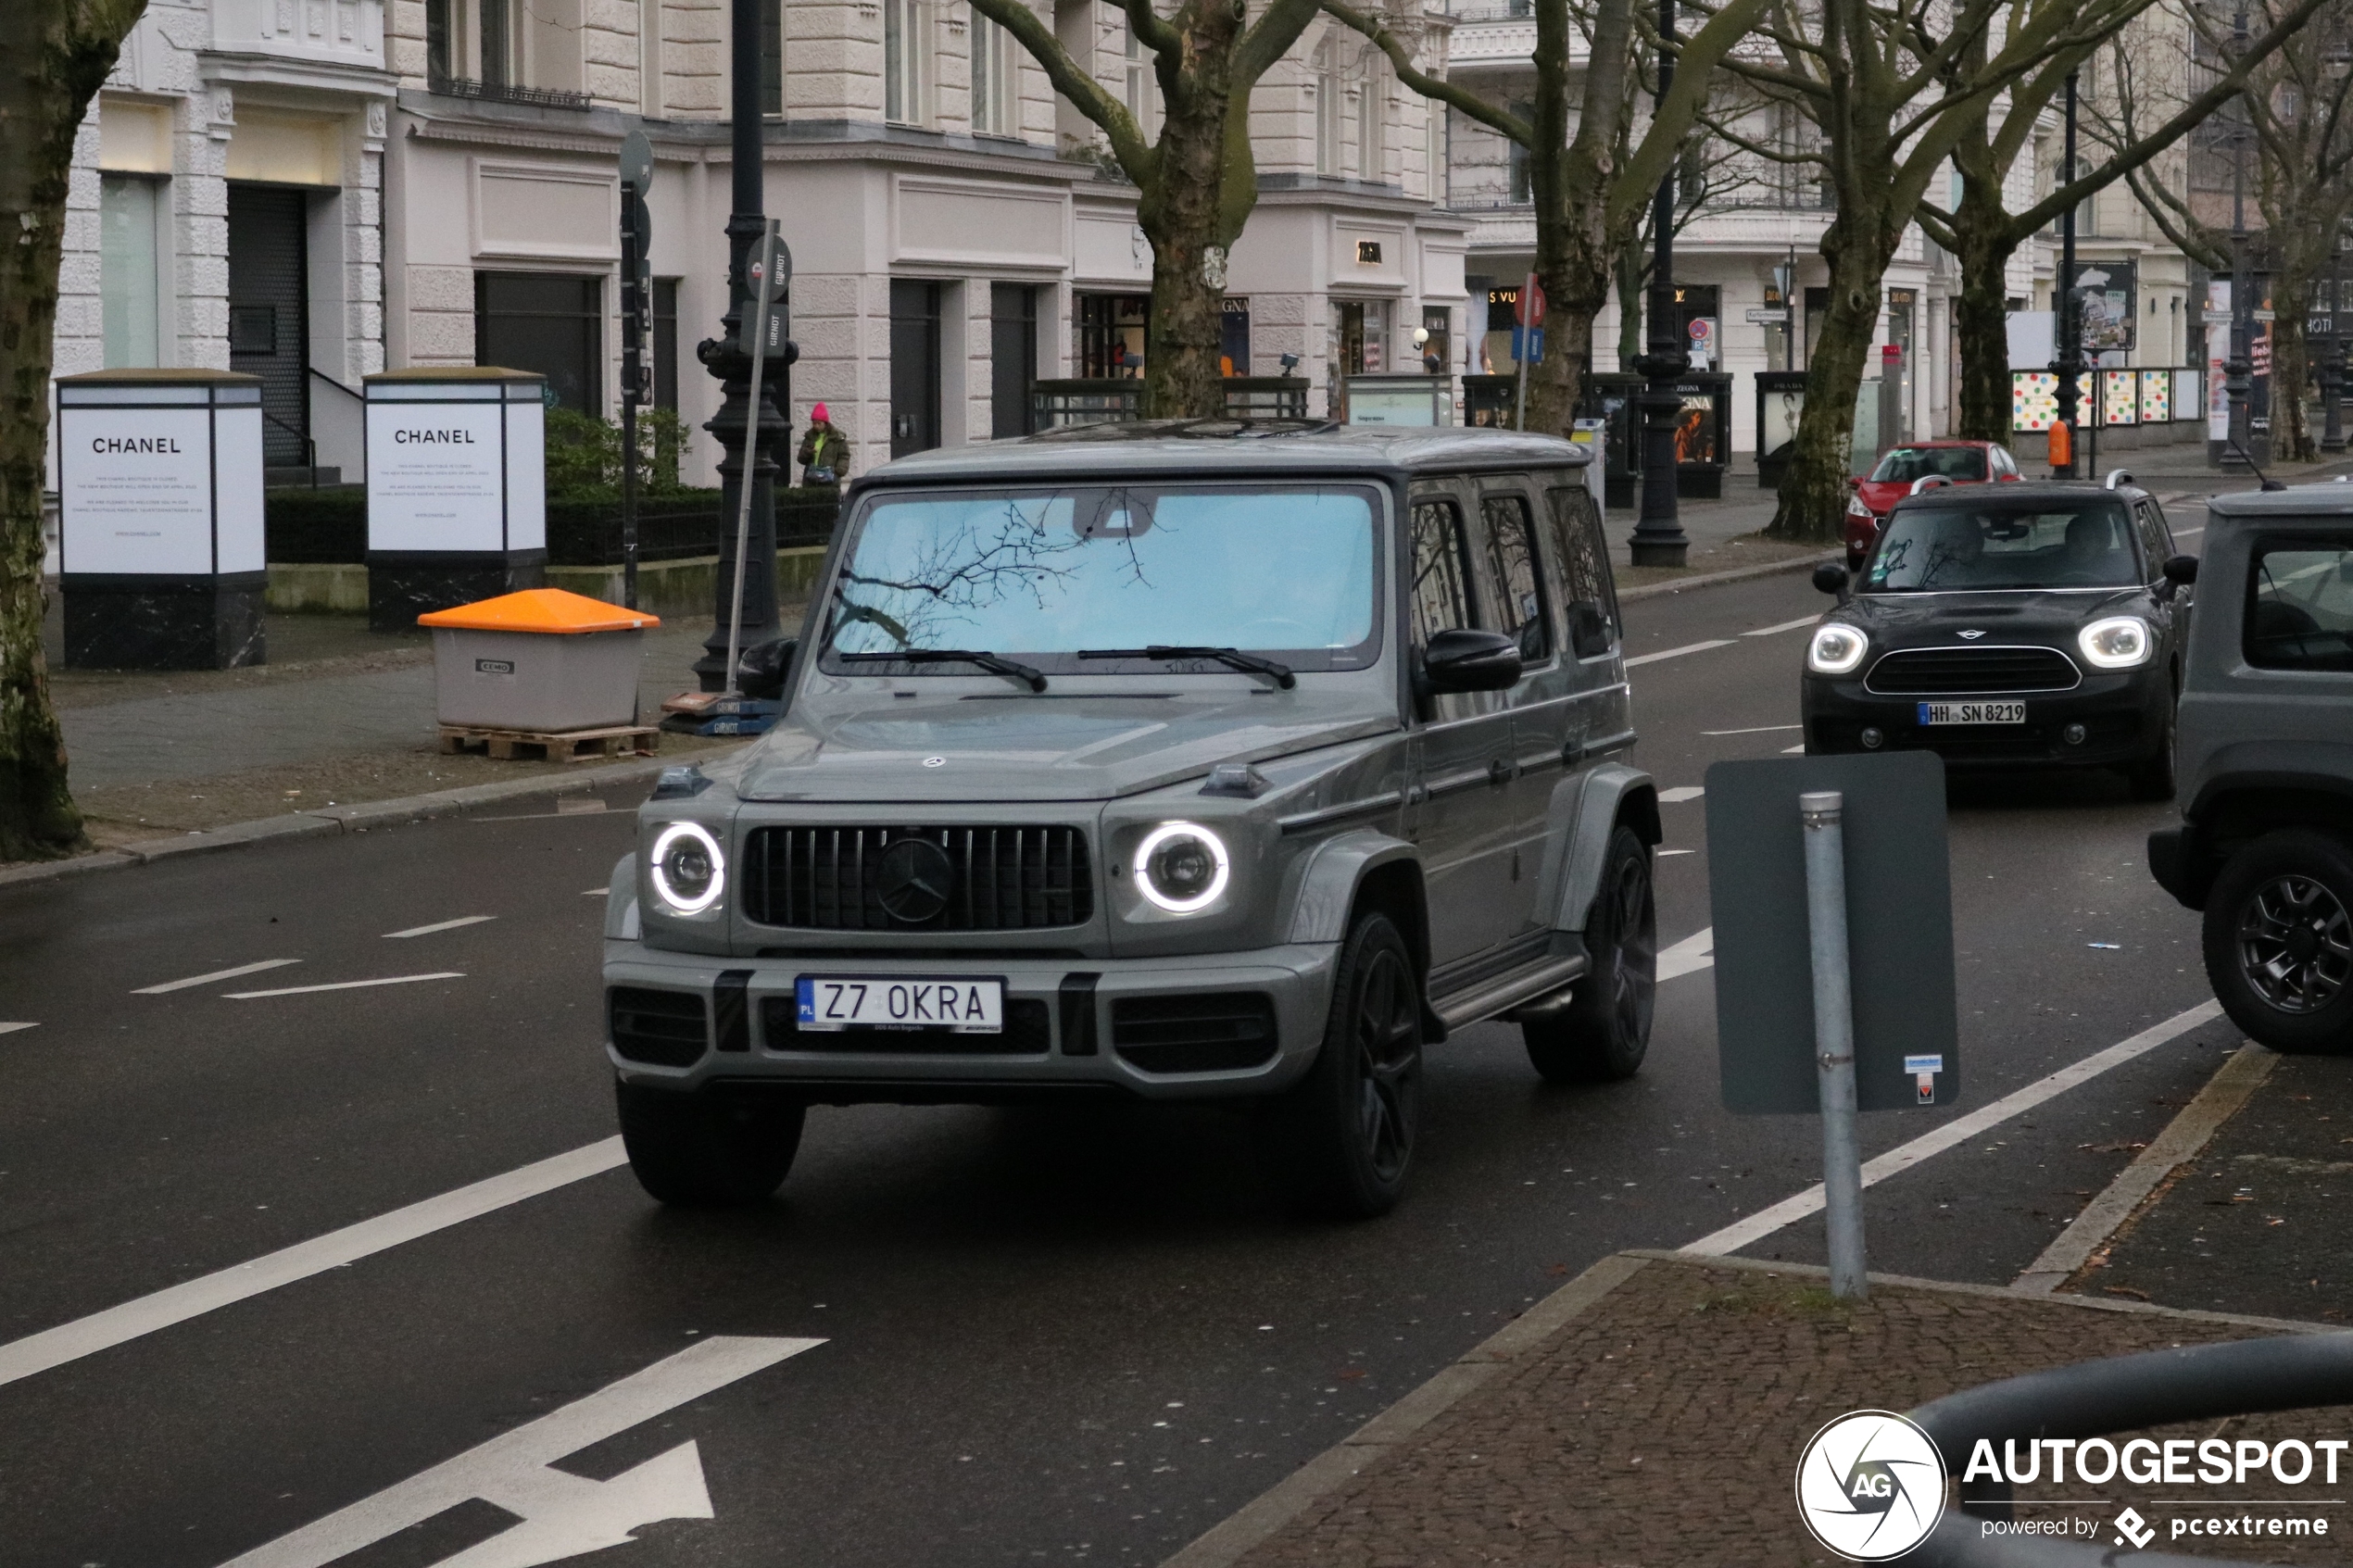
(1112,333)
(1013,357)
(1364,336)
(128,282)
(666,344)
(552,323)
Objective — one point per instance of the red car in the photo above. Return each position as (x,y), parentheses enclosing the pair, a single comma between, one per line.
(1956,462)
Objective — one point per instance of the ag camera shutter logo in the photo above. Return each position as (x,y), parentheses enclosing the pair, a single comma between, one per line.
(1870,1485)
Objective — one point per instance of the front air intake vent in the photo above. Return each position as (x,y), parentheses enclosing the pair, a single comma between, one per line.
(1218,1033)
(660,1028)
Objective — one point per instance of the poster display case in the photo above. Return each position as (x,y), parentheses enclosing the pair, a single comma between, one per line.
(457,489)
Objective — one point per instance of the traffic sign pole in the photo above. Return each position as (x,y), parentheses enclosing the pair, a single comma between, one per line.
(1823,813)
(636,243)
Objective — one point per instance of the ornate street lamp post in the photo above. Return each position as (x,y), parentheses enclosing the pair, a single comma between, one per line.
(724,358)
(1658,538)
(2332,365)
(2070,330)
(2239,370)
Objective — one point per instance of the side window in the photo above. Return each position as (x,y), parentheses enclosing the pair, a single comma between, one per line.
(1583,553)
(1442,570)
(1511,593)
(2299,608)
(2003,466)
(2155,538)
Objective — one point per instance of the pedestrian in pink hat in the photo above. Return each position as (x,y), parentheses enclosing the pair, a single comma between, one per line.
(824,455)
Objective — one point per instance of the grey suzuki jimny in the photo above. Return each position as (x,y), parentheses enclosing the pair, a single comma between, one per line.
(1182,762)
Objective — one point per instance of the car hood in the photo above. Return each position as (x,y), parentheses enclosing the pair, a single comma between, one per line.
(2035,616)
(1041,747)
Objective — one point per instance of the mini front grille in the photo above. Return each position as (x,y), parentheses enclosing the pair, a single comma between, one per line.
(1029,1032)
(1218,1032)
(1957,672)
(660,1028)
(1000,878)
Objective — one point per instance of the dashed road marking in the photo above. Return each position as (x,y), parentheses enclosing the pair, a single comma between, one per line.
(1903,1157)
(216,974)
(437,925)
(345,985)
(1784,626)
(1759,730)
(1664,852)
(595,892)
(1793,750)
(12,1028)
(1680,793)
(1678,653)
(1693,954)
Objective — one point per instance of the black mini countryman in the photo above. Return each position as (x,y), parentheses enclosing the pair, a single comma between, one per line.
(2031,624)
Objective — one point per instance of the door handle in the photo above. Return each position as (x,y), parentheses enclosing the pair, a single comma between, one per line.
(1500,771)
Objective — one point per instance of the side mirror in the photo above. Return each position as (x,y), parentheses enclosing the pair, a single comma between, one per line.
(1588,632)
(761,672)
(2181,571)
(1464,660)
(1830,578)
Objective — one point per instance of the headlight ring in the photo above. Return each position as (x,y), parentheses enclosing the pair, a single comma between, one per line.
(688,867)
(2121,642)
(1836,649)
(1182,868)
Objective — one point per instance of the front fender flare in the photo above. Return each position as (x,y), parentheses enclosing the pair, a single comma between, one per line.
(1327,880)
(1608,794)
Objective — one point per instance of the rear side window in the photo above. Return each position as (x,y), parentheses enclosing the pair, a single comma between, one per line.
(1511,590)
(2157,540)
(2299,608)
(1583,553)
(1442,570)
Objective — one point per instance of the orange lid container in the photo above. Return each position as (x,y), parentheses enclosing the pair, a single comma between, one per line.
(541,610)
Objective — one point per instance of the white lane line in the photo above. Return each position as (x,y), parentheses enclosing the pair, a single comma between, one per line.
(1673,852)
(1784,626)
(12,1028)
(1691,955)
(1759,730)
(1680,793)
(438,925)
(116,1325)
(345,985)
(1678,653)
(216,974)
(1765,1222)
(560,1515)
(595,892)
(1793,750)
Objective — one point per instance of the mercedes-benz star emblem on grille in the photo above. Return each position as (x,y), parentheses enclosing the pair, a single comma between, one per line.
(1972,636)
(935,761)
(914,878)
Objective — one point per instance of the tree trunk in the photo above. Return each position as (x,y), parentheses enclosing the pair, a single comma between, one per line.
(2291,367)
(1814,490)
(54,54)
(1184,211)
(1980,314)
(1628,277)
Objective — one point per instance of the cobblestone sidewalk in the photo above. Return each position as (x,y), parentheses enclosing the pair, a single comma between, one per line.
(1662,1421)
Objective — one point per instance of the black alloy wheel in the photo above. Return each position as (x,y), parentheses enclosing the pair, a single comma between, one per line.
(1346,1130)
(1604,1032)
(2279,941)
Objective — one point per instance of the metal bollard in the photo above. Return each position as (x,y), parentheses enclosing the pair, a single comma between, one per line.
(1823,814)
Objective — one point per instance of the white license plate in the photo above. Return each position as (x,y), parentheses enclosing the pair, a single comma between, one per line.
(1972,713)
(898,1002)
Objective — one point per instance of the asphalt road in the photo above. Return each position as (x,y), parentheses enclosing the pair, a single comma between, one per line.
(1047,1336)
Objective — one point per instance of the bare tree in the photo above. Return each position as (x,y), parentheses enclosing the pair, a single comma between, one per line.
(1984,234)
(1708,170)
(54,55)
(1196,185)
(1591,190)
(1890,87)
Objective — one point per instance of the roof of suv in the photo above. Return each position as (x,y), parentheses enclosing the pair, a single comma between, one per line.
(1229,446)
(2020,492)
(2331,499)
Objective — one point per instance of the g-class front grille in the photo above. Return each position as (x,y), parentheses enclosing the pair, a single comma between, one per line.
(965,878)
(1953,672)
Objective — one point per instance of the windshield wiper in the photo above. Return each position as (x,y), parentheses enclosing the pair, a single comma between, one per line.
(1232,657)
(987,660)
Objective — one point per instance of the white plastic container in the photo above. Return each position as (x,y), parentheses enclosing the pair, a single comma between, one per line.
(541,661)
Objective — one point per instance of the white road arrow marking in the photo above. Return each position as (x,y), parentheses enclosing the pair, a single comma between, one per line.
(1691,955)
(562,1515)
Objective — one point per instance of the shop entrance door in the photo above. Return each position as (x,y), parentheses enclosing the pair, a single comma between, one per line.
(269,315)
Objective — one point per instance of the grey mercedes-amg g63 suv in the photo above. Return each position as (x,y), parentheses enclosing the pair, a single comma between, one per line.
(1172,761)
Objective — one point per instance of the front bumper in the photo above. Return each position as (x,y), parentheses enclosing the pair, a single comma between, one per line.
(2121,712)
(1072,1037)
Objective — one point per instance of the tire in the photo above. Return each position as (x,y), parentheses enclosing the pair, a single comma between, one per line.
(706,1150)
(1346,1131)
(1603,1032)
(2279,941)
(2152,777)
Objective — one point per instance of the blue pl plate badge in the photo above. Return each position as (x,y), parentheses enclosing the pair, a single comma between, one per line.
(1924,1070)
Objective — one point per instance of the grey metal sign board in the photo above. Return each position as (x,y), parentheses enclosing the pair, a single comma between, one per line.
(1899,922)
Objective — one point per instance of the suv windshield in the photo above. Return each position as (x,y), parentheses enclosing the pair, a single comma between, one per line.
(1906,464)
(1958,549)
(1044,575)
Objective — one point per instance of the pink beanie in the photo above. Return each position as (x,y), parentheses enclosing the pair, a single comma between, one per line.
(818,415)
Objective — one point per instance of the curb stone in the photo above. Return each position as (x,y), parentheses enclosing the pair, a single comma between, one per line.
(337,819)
(1737,575)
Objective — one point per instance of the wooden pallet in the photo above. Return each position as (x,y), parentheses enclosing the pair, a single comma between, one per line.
(559,746)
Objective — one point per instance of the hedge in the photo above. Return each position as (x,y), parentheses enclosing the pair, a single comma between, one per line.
(330,524)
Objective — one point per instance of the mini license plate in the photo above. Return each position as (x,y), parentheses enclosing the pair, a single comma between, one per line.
(899,1001)
(1972,713)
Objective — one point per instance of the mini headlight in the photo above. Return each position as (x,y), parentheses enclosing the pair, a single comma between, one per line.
(1858,507)
(2118,643)
(1836,649)
(688,869)
(1181,867)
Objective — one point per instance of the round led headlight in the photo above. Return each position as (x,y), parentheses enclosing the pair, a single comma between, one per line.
(2118,643)
(1181,867)
(1836,649)
(688,869)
